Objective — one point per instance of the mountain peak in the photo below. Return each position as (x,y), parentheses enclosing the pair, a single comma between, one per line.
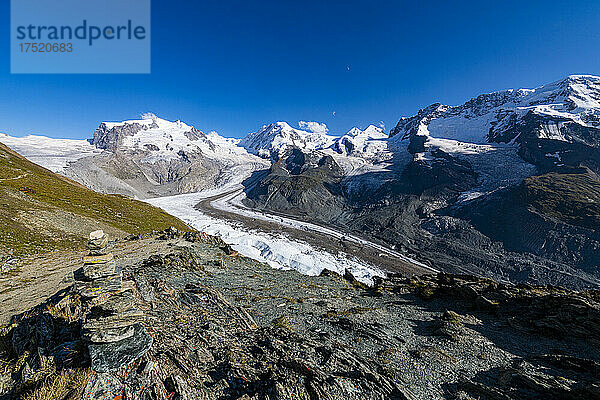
(162,140)
(150,128)
(361,143)
(148,120)
(370,131)
(583,77)
(272,140)
(492,117)
(278,125)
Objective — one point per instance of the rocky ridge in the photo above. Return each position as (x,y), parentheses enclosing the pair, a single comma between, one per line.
(226,327)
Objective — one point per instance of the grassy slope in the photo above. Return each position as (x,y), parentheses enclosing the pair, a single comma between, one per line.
(571,198)
(41,211)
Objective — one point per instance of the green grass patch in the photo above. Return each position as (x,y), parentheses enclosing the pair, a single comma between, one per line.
(571,198)
(27,189)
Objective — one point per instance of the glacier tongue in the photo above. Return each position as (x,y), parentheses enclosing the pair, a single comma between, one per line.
(278,251)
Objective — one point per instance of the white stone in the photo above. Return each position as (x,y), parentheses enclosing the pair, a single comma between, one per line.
(99,234)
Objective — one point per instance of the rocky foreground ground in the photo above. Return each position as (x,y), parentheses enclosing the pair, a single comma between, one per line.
(226,327)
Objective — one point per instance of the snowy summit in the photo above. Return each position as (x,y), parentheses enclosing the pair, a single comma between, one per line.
(495,117)
(272,140)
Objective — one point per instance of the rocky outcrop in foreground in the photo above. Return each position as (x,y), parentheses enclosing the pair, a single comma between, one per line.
(226,327)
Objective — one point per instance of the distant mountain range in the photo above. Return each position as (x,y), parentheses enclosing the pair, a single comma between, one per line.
(504,185)
(143,158)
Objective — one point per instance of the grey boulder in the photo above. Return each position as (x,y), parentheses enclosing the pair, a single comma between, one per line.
(107,357)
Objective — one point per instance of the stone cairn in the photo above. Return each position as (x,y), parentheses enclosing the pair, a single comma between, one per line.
(112,326)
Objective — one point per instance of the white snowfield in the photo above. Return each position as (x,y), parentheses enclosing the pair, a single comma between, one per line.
(167,137)
(278,250)
(53,154)
(369,143)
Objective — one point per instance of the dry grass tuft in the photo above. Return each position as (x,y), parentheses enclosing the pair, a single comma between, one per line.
(64,385)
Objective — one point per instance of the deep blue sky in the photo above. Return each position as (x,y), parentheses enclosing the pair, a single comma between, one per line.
(234,66)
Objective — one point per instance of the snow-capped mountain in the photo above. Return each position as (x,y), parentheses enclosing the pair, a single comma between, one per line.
(147,157)
(157,157)
(509,135)
(504,135)
(272,141)
(161,140)
(501,138)
(362,143)
(496,117)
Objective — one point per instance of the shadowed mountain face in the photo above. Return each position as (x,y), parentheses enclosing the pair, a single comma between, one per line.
(555,216)
(301,184)
(581,146)
(43,211)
